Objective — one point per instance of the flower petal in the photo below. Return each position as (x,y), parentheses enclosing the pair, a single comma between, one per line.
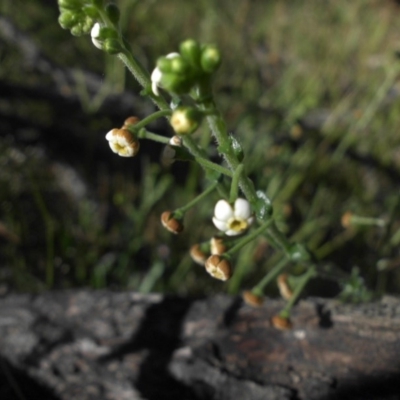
(242,208)
(221,225)
(231,232)
(223,210)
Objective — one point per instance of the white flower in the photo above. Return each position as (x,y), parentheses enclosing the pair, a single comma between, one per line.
(156,75)
(95,34)
(233,220)
(122,142)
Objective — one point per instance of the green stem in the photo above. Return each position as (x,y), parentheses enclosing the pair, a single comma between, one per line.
(279,239)
(152,117)
(303,280)
(259,288)
(219,130)
(248,238)
(355,219)
(178,213)
(235,183)
(210,165)
(145,134)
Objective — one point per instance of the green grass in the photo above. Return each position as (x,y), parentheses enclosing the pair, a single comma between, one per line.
(309,88)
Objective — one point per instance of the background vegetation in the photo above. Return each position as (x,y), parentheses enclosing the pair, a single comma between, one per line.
(311,90)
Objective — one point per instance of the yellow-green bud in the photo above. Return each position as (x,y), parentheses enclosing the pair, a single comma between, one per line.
(179,66)
(67,20)
(69,4)
(112,46)
(175,84)
(190,51)
(185,120)
(90,11)
(210,58)
(77,30)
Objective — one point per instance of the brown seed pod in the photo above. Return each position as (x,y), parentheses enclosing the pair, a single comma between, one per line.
(217,245)
(130,121)
(284,288)
(281,323)
(218,267)
(172,224)
(252,299)
(198,256)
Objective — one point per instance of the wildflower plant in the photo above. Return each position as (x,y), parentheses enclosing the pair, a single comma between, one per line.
(181,87)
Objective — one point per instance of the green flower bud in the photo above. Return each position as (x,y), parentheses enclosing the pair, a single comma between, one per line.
(185,120)
(113,13)
(67,20)
(210,59)
(87,25)
(77,30)
(69,4)
(175,84)
(179,66)
(190,51)
(112,46)
(90,11)
(164,64)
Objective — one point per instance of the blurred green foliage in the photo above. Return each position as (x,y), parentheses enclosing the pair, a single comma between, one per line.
(309,88)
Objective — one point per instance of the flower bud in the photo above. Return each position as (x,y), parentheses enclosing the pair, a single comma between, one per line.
(77,30)
(179,66)
(252,299)
(217,245)
(185,120)
(69,4)
(129,122)
(198,255)
(112,46)
(190,51)
(210,59)
(284,288)
(67,20)
(281,323)
(218,267)
(123,143)
(346,219)
(175,141)
(172,224)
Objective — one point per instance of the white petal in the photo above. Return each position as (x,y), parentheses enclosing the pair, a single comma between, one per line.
(95,33)
(154,88)
(223,210)
(221,225)
(242,208)
(156,75)
(231,232)
(110,135)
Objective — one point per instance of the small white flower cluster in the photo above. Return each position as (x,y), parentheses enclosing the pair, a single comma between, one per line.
(233,220)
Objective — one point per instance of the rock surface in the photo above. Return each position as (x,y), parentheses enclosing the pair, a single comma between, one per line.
(103,345)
